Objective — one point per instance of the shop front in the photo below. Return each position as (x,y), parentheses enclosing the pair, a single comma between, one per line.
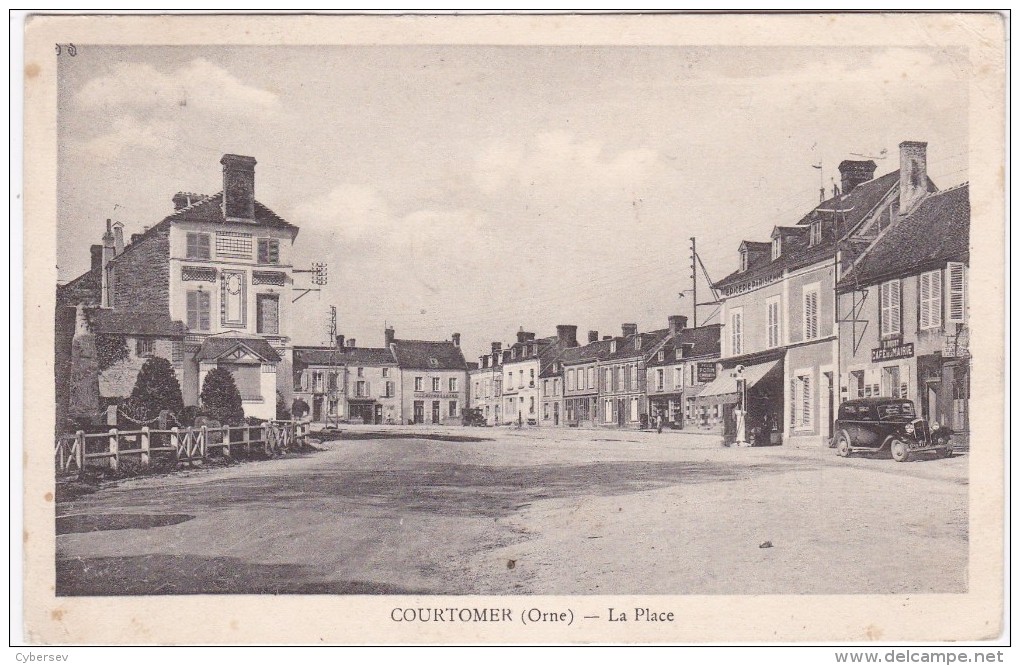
(752,388)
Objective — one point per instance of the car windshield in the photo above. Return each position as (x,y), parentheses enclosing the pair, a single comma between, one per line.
(896,410)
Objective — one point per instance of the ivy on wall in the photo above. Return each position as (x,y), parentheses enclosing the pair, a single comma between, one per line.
(110,349)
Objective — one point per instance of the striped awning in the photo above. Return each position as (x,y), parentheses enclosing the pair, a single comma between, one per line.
(726,383)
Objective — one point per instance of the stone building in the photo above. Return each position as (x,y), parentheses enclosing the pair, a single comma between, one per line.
(903,325)
(779,337)
(580,381)
(487,384)
(523,365)
(683,363)
(219,265)
(623,401)
(432,380)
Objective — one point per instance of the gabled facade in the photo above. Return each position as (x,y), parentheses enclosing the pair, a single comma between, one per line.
(524,363)
(347,383)
(779,336)
(433,379)
(580,381)
(677,370)
(903,325)
(219,265)
(623,401)
(487,383)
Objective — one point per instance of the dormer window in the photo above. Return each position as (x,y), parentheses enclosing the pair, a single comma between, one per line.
(679,353)
(743,260)
(661,356)
(816,232)
(637,343)
(777,247)
(612,346)
(513,353)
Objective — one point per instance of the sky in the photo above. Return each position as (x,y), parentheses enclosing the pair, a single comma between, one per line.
(481,189)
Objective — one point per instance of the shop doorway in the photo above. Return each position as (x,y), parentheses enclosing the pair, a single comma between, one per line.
(419,411)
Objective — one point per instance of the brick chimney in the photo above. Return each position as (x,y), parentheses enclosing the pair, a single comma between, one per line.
(96,252)
(913,173)
(593,336)
(496,346)
(677,323)
(109,252)
(854,172)
(456,339)
(238,187)
(339,342)
(629,329)
(567,333)
(352,343)
(389,334)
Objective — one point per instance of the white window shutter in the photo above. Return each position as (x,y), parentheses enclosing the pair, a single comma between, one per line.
(925,300)
(957,292)
(936,299)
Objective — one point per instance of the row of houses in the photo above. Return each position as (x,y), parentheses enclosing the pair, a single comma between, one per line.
(864,295)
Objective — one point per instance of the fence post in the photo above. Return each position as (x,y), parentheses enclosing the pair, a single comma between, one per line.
(202,445)
(145,446)
(114,449)
(79,453)
(175,441)
(226,447)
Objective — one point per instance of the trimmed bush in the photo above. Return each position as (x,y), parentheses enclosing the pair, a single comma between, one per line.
(155,389)
(220,398)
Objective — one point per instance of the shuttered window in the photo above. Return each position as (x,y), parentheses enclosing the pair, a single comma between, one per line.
(810,314)
(801,401)
(737,332)
(198,310)
(773,321)
(957,299)
(930,300)
(269,251)
(890,308)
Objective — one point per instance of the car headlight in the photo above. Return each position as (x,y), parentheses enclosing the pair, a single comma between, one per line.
(909,428)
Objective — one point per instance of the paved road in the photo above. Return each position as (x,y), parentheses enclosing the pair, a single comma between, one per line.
(521,512)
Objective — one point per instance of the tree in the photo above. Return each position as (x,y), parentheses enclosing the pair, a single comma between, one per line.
(220,398)
(282,413)
(155,389)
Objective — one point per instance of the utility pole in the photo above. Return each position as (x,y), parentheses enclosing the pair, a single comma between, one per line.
(694,280)
(331,385)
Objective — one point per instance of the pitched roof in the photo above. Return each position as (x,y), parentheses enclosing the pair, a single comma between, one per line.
(215,346)
(853,209)
(86,288)
(158,324)
(593,351)
(703,341)
(935,232)
(429,355)
(210,209)
(626,347)
(365,356)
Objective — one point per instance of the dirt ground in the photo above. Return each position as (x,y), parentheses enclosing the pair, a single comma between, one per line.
(526,512)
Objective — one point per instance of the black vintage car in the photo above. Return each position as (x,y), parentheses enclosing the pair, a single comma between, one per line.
(877,424)
(473,417)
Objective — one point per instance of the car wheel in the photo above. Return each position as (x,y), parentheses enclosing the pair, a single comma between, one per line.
(843,446)
(899,451)
(946,452)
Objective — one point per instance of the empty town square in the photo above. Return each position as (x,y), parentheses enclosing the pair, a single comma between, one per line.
(456,510)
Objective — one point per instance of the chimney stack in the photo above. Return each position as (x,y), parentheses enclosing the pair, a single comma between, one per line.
(118,238)
(677,323)
(496,346)
(352,343)
(456,339)
(629,329)
(238,187)
(390,335)
(567,333)
(854,172)
(607,337)
(97,256)
(339,342)
(593,336)
(109,252)
(913,173)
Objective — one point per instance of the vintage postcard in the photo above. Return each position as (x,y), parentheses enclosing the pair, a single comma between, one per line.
(514,329)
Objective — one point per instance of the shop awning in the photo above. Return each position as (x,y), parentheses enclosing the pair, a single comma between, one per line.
(726,383)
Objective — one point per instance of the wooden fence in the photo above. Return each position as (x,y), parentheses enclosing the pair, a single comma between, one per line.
(74,453)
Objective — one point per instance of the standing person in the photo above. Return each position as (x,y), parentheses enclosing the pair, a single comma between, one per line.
(659,422)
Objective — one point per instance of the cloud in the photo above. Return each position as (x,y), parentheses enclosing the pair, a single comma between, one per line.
(560,160)
(199,84)
(127,132)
